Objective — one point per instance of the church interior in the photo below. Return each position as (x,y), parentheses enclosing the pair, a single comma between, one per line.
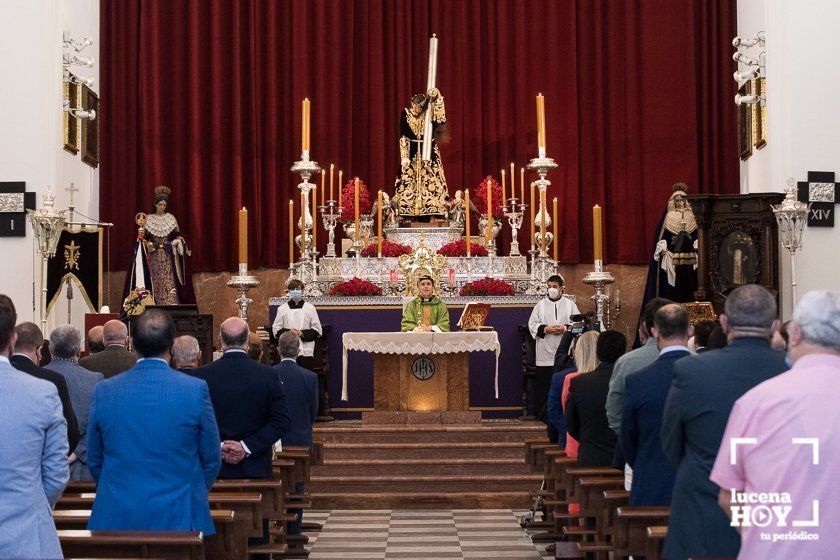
(429,218)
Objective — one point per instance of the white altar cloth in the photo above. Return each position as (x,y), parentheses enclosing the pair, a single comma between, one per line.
(419,343)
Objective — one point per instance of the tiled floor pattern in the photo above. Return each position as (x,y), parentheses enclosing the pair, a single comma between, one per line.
(421,535)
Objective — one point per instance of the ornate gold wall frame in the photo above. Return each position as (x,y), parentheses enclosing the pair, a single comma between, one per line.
(759,114)
(745,124)
(71,122)
(90,129)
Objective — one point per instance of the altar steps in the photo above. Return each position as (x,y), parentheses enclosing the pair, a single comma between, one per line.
(450,466)
(411,466)
(442,451)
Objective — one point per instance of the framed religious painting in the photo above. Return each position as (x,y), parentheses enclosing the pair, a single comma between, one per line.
(759,114)
(745,135)
(90,129)
(71,123)
(737,244)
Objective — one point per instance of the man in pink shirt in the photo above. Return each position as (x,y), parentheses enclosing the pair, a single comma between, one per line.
(779,458)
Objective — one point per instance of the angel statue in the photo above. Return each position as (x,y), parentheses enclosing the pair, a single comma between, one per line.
(159,263)
(420,188)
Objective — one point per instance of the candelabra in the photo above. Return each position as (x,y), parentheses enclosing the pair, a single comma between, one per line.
(306,168)
(515,213)
(242,282)
(494,231)
(599,279)
(330,214)
(534,287)
(791,216)
(47,223)
(542,165)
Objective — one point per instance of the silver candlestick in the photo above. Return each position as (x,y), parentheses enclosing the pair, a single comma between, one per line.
(243,282)
(311,287)
(542,165)
(533,283)
(599,279)
(306,169)
(515,213)
(330,214)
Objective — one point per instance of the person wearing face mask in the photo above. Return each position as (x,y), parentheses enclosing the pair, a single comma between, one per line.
(426,312)
(547,324)
(301,318)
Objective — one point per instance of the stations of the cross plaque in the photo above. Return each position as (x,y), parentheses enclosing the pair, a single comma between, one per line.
(14,202)
(820,193)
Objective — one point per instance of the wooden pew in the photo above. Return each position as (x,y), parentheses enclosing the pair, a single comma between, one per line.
(655,540)
(227,543)
(630,531)
(166,545)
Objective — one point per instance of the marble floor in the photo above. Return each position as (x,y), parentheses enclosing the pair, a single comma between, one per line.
(487,534)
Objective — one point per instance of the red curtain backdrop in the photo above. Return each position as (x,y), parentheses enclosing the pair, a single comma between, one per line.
(204,96)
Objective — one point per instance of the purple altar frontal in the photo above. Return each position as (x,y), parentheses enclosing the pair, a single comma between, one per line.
(505,318)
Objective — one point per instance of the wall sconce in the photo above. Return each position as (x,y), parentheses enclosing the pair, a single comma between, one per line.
(750,42)
(79,113)
(740,76)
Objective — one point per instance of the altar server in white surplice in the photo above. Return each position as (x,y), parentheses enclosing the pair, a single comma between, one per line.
(547,324)
(301,318)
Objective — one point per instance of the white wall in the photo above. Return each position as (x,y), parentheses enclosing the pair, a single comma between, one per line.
(802,78)
(31,138)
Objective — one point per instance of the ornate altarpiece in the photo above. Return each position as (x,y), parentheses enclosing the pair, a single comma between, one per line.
(737,244)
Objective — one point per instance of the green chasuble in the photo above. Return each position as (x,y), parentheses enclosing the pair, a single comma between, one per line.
(431,312)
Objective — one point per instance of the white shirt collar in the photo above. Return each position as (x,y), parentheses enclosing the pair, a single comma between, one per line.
(4,359)
(158,359)
(289,359)
(675,348)
(229,350)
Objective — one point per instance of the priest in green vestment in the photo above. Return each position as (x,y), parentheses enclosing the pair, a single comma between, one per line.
(426,312)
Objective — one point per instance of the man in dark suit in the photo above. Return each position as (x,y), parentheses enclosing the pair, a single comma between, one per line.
(704,389)
(153,444)
(302,391)
(645,392)
(250,403)
(26,356)
(251,408)
(586,414)
(115,358)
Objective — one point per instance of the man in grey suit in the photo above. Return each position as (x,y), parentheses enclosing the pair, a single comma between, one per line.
(115,358)
(33,454)
(66,345)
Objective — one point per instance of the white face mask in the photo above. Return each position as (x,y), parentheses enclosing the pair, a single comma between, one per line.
(553,293)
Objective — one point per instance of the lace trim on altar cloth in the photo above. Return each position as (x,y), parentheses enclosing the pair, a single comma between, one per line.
(419,343)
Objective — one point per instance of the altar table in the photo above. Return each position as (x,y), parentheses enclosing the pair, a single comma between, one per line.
(397,389)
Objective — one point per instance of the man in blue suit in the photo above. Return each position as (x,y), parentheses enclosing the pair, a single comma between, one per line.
(644,397)
(33,454)
(65,347)
(302,389)
(702,394)
(153,444)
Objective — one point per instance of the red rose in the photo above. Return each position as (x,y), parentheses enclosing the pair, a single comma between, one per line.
(480,197)
(487,287)
(355,287)
(459,249)
(348,200)
(389,249)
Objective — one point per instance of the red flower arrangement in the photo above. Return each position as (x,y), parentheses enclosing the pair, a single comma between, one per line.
(348,200)
(480,197)
(355,287)
(487,287)
(459,249)
(389,249)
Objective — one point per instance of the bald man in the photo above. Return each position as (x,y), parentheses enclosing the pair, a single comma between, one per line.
(96,340)
(250,405)
(115,358)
